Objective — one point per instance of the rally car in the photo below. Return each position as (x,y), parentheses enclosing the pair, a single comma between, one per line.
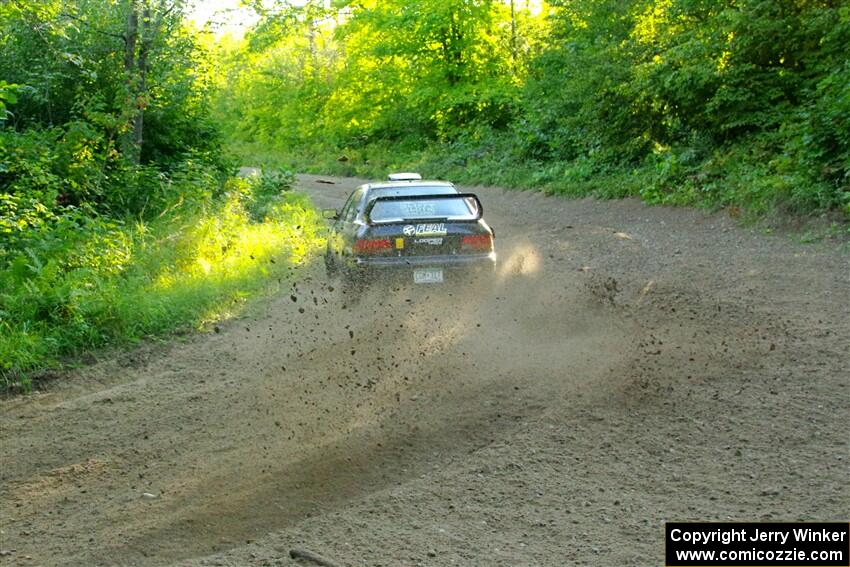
(424,232)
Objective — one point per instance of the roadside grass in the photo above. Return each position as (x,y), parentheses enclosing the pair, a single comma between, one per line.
(114,282)
(751,185)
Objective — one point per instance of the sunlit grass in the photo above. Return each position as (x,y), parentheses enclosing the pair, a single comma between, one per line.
(146,280)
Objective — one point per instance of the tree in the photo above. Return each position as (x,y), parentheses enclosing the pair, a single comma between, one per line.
(145,20)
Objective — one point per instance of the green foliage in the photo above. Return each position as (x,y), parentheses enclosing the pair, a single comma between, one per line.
(8,95)
(268,192)
(406,71)
(78,280)
(118,219)
(67,63)
(730,103)
(740,103)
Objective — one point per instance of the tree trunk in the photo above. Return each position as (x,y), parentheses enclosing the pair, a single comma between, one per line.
(131,36)
(141,98)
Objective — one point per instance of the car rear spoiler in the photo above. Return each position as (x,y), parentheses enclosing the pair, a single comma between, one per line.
(479,208)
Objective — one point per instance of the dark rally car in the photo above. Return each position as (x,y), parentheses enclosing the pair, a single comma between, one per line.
(415,230)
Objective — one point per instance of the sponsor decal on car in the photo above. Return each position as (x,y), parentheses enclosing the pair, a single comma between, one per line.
(425,229)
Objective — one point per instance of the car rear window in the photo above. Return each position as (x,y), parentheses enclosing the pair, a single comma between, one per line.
(458,209)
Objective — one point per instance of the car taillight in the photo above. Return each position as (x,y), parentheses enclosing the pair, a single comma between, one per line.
(372,246)
(483,242)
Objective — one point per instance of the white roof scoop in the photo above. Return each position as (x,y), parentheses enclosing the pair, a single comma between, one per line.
(404,177)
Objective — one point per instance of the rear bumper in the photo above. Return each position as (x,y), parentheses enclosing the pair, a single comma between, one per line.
(451,262)
(455,268)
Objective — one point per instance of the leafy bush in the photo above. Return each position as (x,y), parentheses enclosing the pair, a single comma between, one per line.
(78,280)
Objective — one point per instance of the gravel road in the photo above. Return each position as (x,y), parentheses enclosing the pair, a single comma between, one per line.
(631,365)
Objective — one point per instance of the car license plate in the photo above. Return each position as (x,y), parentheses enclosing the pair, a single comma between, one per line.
(428,275)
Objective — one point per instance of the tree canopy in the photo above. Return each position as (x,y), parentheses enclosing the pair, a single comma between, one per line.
(718,101)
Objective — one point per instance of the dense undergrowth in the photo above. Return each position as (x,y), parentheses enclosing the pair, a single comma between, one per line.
(76,280)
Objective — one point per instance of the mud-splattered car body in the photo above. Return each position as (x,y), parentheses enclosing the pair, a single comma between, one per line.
(416,231)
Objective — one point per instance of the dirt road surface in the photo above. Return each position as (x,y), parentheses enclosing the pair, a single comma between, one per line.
(630,365)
